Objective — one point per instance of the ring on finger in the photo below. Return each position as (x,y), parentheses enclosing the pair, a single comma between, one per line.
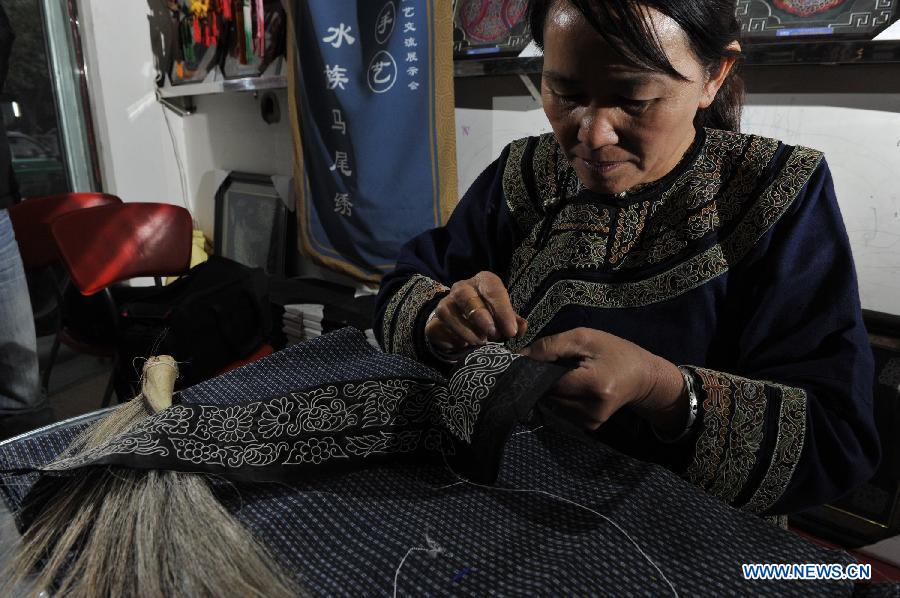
(473,305)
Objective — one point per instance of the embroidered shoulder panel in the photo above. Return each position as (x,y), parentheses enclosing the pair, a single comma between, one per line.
(575,247)
(518,197)
(708,196)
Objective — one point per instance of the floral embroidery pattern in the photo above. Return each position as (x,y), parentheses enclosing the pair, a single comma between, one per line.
(715,199)
(278,419)
(230,424)
(321,410)
(550,168)
(202,452)
(471,385)
(745,439)
(628,230)
(384,401)
(716,405)
(317,425)
(315,451)
(517,198)
(384,442)
(136,441)
(197,452)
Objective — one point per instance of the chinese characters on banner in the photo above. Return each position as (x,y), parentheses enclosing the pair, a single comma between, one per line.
(372,84)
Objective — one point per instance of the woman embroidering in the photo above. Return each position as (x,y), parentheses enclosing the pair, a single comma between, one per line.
(700,279)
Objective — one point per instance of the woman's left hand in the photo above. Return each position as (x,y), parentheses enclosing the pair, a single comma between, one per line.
(612,373)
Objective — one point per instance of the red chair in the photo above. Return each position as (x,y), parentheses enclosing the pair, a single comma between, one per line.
(31,221)
(105,245)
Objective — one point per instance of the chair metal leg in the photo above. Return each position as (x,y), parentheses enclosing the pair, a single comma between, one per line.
(54,352)
(107,394)
(110,385)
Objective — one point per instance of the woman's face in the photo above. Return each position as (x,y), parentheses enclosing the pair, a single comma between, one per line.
(618,124)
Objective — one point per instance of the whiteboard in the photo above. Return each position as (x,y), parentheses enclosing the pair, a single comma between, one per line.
(859,133)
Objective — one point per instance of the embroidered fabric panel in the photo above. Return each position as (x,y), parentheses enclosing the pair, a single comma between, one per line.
(518,200)
(403,312)
(703,200)
(734,429)
(788,446)
(722,183)
(551,171)
(338,424)
(758,219)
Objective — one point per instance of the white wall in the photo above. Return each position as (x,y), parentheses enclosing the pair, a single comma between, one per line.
(137,150)
(228,133)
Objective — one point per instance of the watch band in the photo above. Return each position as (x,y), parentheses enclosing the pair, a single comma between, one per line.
(690,391)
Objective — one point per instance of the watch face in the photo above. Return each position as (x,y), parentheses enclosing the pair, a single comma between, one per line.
(860,19)
(490,27)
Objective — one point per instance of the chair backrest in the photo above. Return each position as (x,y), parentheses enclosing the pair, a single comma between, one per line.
(104,245)
(31,222)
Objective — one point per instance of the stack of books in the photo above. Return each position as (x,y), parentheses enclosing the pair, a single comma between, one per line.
(308,308)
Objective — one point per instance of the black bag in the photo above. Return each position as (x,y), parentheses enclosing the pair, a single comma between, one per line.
(215,315)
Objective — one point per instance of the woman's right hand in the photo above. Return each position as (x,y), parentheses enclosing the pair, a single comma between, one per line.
(477,310)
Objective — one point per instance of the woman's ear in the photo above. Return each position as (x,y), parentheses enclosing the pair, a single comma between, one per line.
(717,76)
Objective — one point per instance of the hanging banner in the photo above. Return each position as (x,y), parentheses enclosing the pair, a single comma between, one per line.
(371,98)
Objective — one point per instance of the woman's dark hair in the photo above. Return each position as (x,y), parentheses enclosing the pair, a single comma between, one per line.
(710,25)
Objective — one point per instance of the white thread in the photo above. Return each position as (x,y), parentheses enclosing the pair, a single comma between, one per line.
(449,486)
(433,550)
(528,431)
(403,560)
(566,500)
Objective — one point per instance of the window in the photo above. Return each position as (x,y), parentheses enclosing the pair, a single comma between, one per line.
(41,103)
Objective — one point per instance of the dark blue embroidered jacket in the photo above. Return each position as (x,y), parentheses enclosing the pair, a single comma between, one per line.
(736,264)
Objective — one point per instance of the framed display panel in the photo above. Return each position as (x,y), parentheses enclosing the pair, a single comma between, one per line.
(788,19)
(490,27)
(253,225)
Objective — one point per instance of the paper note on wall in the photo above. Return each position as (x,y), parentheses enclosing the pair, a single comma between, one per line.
(481,135)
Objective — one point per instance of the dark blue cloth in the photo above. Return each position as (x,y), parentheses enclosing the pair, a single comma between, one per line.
(737,264)
(564,518)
